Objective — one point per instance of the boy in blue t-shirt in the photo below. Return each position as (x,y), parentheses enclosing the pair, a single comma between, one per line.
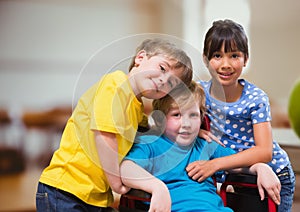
(166,154)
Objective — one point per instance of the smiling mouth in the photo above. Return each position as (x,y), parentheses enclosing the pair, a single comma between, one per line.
(225,74)
(184,133)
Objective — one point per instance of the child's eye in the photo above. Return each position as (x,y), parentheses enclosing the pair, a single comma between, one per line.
(195,115)
(216,55)
(176,115)
(162,69)
(235,56)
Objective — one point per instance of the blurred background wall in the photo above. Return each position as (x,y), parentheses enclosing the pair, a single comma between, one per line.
(52,50)
(44,44)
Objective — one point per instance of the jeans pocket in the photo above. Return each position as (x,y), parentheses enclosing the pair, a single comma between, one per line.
(42,199)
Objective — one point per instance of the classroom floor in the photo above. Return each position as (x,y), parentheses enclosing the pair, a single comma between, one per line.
(17,191)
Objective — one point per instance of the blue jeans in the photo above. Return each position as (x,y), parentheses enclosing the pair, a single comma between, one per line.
(50,199)
(287,180)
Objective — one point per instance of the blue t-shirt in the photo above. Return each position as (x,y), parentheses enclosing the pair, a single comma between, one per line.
(233,122)
(167,161)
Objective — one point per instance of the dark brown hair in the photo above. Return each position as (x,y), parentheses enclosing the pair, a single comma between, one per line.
(226,32)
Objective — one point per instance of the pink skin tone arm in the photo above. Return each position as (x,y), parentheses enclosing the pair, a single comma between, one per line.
(107,147)
(136,177)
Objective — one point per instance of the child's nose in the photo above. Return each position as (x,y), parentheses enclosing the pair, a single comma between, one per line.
(185,122)
(163,79)
(225,63)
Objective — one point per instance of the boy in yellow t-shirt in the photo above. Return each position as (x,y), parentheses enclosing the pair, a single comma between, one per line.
(85,169)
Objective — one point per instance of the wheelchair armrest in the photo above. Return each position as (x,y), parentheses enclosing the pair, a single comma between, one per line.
(135,200)
(246,181)
(238,179)
(138,195)
(241,178)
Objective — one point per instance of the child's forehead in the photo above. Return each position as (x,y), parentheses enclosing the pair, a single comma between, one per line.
(177,104)
(167,58)
(171,62)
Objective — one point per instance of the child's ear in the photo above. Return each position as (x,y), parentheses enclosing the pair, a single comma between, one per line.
(139,57)
(245,62)
(205,60)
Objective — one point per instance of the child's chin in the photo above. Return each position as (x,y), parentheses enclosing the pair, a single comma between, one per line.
(153,94)
(184,142)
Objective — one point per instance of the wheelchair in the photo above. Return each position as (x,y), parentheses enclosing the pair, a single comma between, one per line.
(135,201)
(244,198)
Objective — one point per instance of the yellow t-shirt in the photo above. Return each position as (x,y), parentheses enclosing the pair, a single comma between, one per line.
(109,106)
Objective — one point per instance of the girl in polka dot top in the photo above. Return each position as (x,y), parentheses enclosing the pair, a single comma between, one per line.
(239,112)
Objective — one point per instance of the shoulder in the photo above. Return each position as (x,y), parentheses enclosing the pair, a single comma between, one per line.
(200,142)
(223,151)
(253,92)
(210,150)
(147,139)
(204,84)
(117,77)
(115,83)
(148,144)
(250,87)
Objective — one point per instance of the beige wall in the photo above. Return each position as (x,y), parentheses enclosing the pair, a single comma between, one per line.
(274,59)
(45,44)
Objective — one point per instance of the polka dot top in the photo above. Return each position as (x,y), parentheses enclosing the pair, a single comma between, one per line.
(232,122)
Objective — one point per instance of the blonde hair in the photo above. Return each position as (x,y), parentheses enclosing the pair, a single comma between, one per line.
(181,97)
(158,46)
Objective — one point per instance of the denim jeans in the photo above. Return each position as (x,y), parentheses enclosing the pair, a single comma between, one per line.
(50,199)
(287,180)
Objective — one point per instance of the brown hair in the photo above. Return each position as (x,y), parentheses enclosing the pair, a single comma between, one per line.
(226,32)
(181,97)
(158,46)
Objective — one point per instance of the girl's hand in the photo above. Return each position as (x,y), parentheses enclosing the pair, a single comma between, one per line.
(209,137)
(200,170)
(268,180)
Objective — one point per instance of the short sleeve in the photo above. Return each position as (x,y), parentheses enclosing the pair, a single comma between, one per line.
(260,110)
(140,154)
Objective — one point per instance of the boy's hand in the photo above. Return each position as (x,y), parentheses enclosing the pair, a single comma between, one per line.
(137,177)
(160,200)
(117,186)
(200,170)
(209,137)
